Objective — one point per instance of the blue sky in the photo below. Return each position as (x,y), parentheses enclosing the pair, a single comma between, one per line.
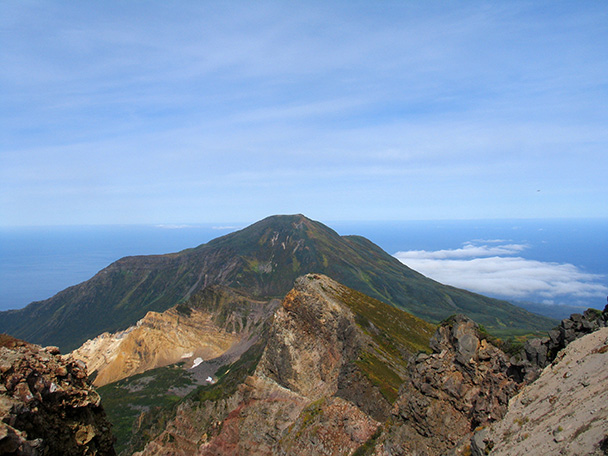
(199,111)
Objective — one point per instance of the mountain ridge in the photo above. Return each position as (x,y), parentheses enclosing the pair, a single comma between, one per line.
(263,260)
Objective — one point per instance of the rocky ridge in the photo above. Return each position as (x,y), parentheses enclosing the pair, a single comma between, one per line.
(317,387)
(314,389)
(263,261)
(47,405)
(542,351)
(537,353)
(461,385)
(330,375)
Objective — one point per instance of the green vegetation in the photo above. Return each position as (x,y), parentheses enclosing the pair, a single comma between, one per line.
(184,310)
(381,375)
(308,415)
(521,421)
(229,378)
(125,400)
(396,334)
(368,447)
(390,327)
(314,409)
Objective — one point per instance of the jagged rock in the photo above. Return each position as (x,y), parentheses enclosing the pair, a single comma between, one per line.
(47,406)
(565,411)
(463,384)
(325,339)
(537,350)
(541,352)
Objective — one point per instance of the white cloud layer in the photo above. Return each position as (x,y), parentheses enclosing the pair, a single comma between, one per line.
(496,271)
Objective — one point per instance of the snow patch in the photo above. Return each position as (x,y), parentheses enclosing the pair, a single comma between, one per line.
(197,361)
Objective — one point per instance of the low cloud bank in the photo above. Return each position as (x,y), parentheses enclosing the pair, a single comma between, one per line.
(497,270)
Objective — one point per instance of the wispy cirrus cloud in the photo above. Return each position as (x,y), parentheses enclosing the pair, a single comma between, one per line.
(151,113)
(500,270)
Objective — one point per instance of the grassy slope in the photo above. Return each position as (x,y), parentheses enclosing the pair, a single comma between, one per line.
(396,335)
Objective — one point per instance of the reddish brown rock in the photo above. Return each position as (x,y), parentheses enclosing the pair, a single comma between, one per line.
(47,405)
(463,384)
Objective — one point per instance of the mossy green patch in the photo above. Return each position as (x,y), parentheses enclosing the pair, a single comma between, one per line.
(398,332)
(368,447)
(308,415)
(381,375)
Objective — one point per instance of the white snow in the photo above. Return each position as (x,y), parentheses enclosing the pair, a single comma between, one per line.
(197,361)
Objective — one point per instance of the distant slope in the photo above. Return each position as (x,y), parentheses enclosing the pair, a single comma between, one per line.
(262,260)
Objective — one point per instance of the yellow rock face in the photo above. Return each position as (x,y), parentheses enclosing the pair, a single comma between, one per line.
(157,340)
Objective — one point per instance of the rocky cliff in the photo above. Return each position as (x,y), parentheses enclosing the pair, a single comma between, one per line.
(538,353)
(47,406)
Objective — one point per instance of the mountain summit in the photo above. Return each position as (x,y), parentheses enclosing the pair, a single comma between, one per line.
(262,260)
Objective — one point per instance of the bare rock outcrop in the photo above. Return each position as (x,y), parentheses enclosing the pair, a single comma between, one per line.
(564,412)
(47,405)
(159,339)
(461,385)
(312,337)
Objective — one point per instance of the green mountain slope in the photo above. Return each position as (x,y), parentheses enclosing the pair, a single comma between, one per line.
(262,260)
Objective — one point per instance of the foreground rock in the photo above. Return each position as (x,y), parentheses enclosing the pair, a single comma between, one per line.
(461,385)
(538,353)
(564,412)
(47,406)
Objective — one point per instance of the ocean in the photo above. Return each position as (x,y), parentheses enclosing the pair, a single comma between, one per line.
(546,262)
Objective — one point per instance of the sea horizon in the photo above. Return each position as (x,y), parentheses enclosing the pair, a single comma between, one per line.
(37,262)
